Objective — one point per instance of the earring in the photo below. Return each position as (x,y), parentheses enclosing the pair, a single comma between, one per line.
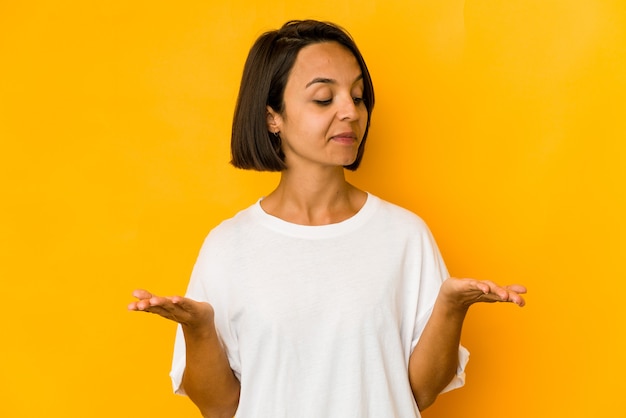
(276,143)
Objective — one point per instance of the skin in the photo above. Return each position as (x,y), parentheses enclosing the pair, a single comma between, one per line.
(321,127)
(208,379)
(434,360)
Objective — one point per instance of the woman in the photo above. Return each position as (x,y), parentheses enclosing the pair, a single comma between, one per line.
(320,300)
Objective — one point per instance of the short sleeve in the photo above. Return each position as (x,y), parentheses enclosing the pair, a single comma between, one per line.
(195,292)
(178,363)
(205,286)
(433,273)
(459,378)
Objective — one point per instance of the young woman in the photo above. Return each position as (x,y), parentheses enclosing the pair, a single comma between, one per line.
(319,300)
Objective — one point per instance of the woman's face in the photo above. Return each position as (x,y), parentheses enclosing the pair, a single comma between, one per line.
(324,117)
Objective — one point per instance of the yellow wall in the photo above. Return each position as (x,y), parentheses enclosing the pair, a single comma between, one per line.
(501,122)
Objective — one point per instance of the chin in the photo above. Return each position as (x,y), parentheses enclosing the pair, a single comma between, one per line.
(347,162)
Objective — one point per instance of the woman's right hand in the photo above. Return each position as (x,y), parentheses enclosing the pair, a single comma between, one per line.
(185,311)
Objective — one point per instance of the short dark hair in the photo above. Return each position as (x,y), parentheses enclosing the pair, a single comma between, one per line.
(265,75)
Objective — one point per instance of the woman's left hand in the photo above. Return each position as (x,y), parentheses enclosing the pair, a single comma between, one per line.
(462,293)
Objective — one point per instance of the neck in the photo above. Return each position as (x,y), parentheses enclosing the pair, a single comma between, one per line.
(314,199)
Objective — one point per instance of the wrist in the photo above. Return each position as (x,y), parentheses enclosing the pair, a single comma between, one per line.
(199,331)
(451,308)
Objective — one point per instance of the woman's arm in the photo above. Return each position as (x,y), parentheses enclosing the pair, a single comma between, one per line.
(208,379)
(434,360)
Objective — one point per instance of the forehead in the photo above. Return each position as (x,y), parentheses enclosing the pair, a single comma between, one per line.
(325,59)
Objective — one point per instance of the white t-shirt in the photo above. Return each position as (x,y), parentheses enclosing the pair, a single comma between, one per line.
(320,321)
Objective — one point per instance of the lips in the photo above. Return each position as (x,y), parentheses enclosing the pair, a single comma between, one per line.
(344,137)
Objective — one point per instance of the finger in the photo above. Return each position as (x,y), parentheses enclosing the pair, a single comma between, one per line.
(505,295)
(514,294)
(142,294)
(482,286)
(517,288)
(153,301)
(142,305)
(501,293)
(179,300)
(158,305)
(162,301)
(176,308)
(163,312)
(184,303)
(490,298)
(517,299)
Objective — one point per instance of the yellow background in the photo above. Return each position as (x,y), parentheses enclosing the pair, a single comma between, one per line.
(502,123)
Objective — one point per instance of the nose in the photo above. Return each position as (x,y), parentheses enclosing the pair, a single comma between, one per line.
(348,109)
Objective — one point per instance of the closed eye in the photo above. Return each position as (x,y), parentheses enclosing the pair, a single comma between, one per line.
(323,102)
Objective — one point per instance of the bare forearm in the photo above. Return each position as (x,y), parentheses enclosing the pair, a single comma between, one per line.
(434,360)
(208,379)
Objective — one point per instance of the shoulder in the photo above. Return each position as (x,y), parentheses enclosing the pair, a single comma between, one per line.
(231,228)
(394,214)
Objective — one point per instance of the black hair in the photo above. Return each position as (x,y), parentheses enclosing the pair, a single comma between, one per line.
(265,75)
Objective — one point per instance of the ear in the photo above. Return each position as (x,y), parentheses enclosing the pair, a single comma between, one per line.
(274,121)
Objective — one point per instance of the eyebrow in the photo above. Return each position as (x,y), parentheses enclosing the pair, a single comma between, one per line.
(329,80)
